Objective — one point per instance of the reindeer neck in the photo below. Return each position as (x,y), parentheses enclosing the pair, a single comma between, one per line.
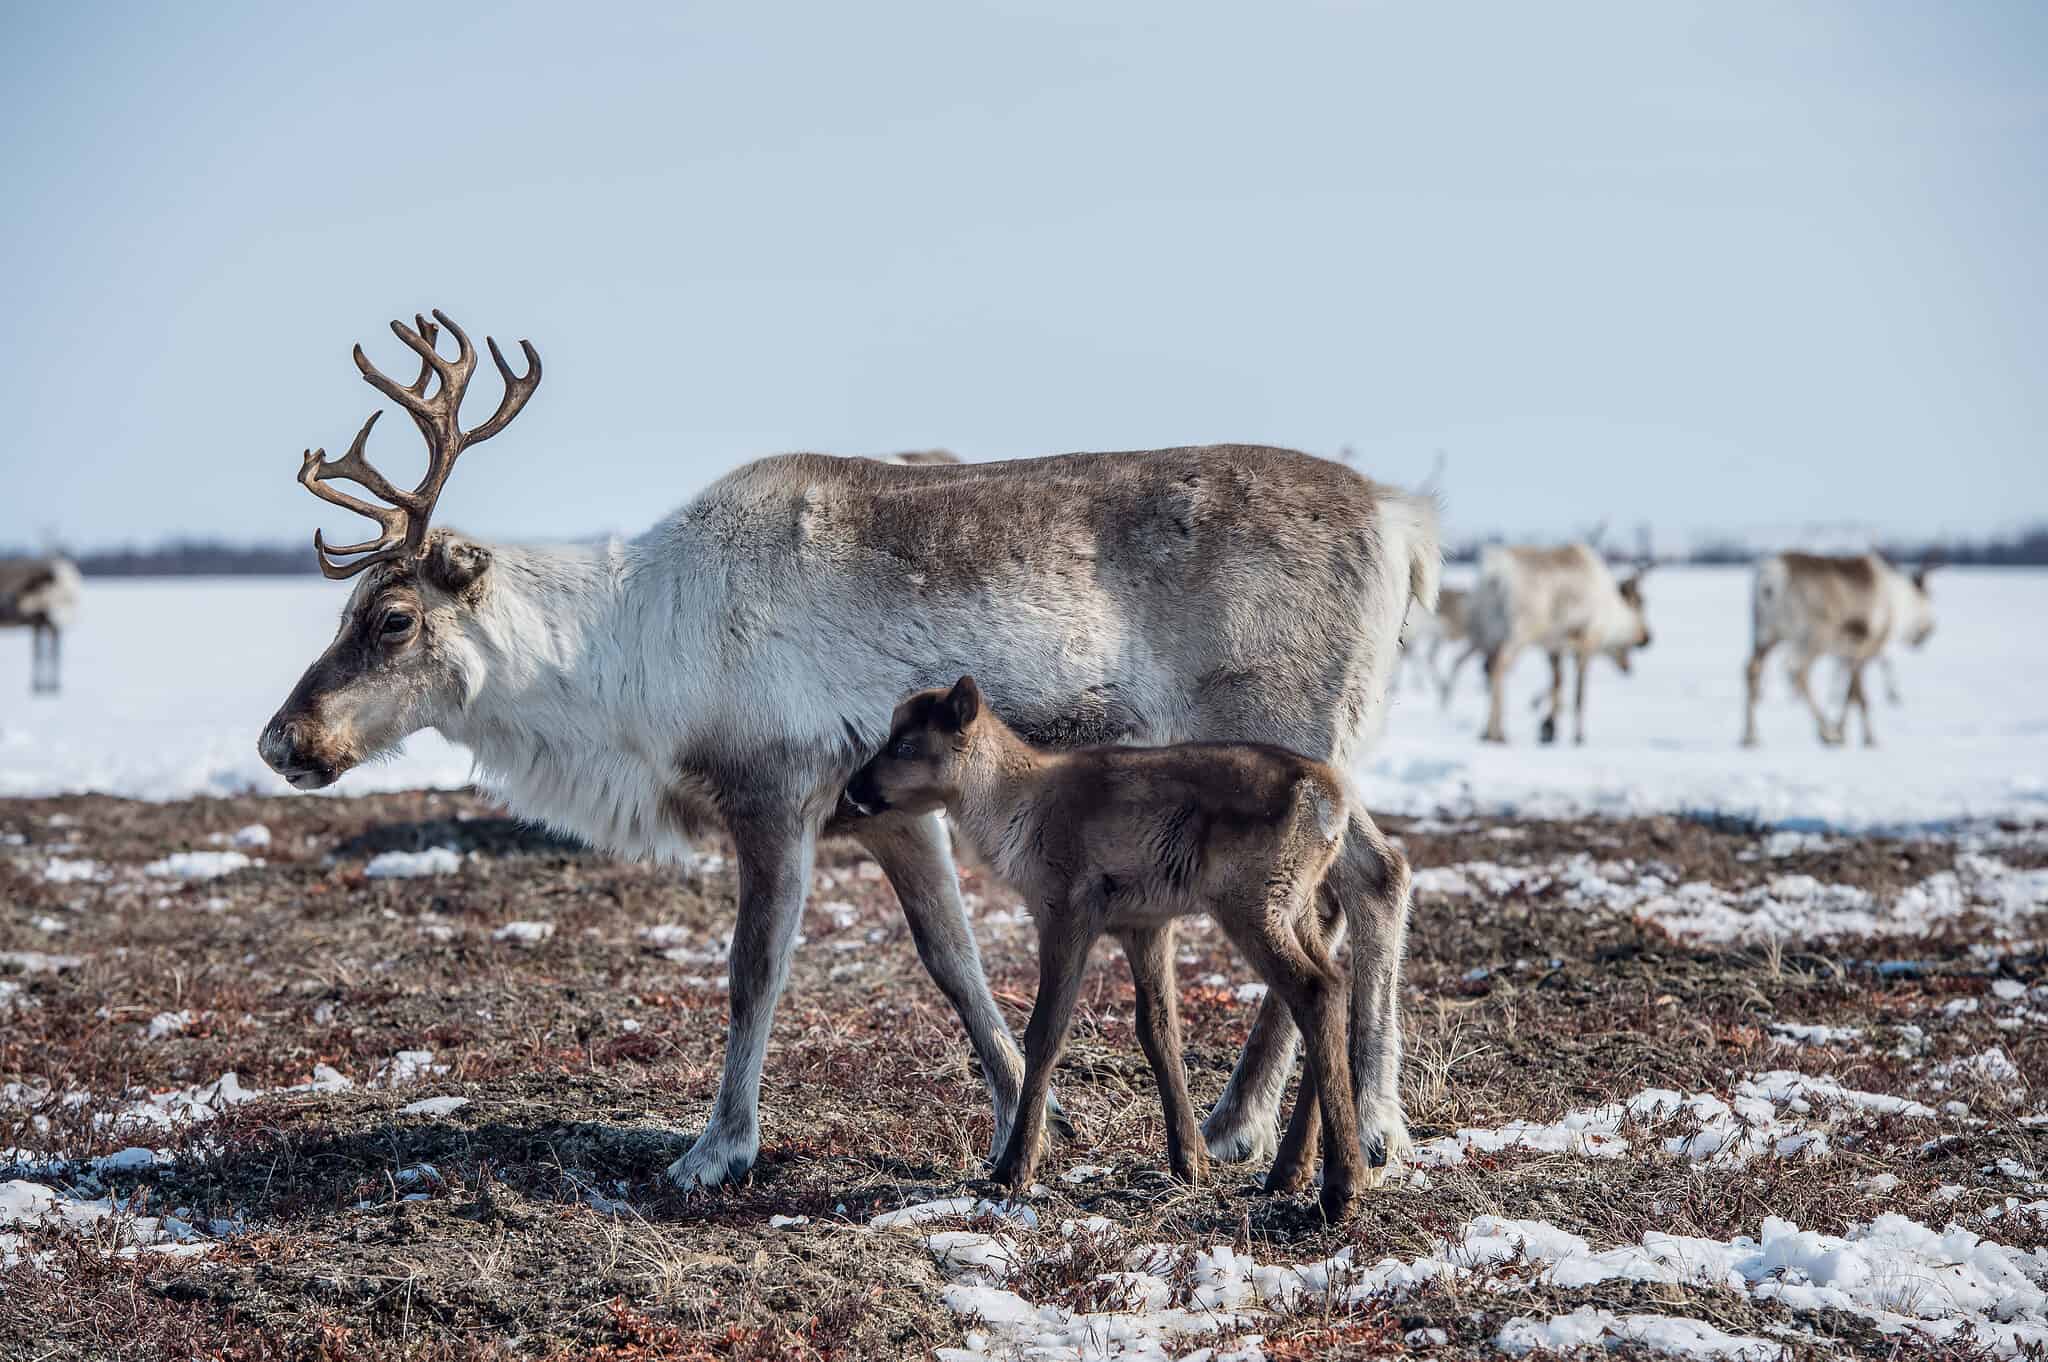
(563,716)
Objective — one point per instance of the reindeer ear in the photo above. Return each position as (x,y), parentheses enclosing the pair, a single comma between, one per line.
(453,563)
(962,704)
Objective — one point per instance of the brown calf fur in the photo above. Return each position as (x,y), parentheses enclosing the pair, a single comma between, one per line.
(1125,840)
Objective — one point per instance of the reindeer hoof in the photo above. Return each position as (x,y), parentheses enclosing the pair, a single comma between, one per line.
(1548,733)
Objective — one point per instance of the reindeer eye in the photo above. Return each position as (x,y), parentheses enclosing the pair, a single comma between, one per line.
(905,748)
(397,624)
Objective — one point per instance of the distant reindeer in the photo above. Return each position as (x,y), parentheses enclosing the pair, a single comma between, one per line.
(1849,607)
(40,594)
(1126,840)
(1562,600)
(733,666)
(1428,632)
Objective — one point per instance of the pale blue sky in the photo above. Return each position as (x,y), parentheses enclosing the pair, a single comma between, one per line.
(1716,264)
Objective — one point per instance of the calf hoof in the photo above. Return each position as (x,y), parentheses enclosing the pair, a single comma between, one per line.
(1056,1118)
(1500,738)
(1547,733)
(1288,1176)
(1010,1173)
(1191,1170)
(1338,1201)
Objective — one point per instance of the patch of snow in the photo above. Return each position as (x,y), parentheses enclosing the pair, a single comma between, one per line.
(198,865)
(407,1066)
(36,962)
(166,1024)
(1586,1327)
(1799,1033)
(924,1212)
(413,865)
(434,1106)
(1764,1117)
(1790,907)
(57,870)
(28,1205)
(524,933)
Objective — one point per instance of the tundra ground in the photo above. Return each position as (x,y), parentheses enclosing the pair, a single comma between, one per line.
(576,1005)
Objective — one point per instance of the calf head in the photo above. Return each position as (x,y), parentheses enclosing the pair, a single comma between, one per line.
(920,767)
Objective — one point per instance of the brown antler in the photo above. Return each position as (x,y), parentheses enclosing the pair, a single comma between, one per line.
(407,516)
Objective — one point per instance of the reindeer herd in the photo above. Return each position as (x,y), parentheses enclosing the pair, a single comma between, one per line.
(1567,601)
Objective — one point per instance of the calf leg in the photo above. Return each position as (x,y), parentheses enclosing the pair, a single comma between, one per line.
(1063,943)
(1891,678)
(918,859)
(1240,1127)
(774,856)
(1150,952)
(1548,733)
(1314,992)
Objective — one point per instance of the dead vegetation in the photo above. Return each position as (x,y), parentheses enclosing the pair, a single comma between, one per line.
(533,1221)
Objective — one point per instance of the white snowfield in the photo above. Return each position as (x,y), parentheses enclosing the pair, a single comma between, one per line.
(147,714)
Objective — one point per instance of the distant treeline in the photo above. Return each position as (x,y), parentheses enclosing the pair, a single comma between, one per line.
(2025,548)
(217,558)
(197,558)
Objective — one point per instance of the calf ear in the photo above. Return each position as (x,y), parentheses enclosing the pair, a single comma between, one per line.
(963,703)
(454,564)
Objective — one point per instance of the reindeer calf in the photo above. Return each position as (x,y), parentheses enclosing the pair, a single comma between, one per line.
(1126,840)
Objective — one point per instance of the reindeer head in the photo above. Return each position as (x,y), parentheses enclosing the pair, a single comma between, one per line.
(930,740)
(1635,632)
(1915,605)
(403,642)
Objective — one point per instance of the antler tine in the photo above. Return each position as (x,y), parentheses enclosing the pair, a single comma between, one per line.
(314,471)
(428,332)
(518,388)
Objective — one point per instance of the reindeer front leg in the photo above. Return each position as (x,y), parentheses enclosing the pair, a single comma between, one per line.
(774,854)
(917,857)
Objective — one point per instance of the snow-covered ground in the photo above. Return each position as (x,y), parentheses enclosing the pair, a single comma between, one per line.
(167,683)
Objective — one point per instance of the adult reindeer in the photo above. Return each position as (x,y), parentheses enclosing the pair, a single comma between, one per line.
(1850,607)
(734,665)
(1563,600)
(40,594)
